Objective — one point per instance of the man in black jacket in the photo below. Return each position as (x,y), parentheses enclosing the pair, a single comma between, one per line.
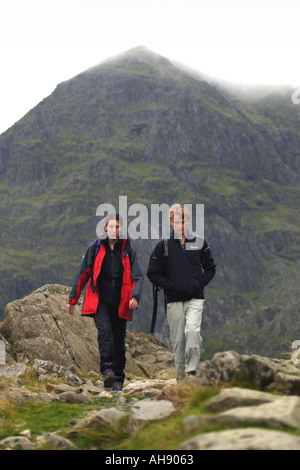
(183,274)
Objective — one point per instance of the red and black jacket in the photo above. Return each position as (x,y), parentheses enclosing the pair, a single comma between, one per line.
(89,270)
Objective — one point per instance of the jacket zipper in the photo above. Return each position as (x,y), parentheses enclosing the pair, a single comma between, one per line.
(186,266)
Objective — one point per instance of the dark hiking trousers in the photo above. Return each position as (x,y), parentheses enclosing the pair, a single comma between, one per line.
(111,340)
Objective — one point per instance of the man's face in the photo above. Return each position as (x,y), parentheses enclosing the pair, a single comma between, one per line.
(113,229)
(180,226)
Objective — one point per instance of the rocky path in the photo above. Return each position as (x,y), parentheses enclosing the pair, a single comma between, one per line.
(272,419)
(139,400)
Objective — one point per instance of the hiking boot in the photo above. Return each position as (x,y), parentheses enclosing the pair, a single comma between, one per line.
(108,378)
(118,386)
(192,372)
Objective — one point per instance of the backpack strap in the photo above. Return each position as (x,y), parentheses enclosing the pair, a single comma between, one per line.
(95,251)
(154,312)
(166,252)
(155,288)
(97,244)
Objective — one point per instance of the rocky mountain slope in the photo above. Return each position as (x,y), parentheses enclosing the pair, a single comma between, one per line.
(136,125)
(235,402)
(51,376)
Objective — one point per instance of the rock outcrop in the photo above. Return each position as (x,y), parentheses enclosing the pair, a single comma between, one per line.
(148,411)
(39,327)
(243,439)
(264,373)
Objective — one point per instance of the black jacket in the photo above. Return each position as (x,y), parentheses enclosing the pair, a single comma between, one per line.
(186,271)
(111,274)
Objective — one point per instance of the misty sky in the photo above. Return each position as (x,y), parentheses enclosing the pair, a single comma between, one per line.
(44,42)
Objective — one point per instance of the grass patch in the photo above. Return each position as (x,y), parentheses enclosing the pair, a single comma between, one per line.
(38,417)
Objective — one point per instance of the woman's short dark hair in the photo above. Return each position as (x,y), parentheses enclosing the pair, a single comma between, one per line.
(113,216)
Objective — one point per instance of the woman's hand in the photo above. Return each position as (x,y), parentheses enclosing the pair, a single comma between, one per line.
(133,304)
(70,309)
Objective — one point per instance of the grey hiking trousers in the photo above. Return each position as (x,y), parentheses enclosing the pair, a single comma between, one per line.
(184,320)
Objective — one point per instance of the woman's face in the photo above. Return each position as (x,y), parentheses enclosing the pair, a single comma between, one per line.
(113,228)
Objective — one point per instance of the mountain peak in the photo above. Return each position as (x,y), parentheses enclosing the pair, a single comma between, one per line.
(139,54)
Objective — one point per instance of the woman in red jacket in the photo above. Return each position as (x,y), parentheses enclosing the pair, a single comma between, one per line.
(111,268)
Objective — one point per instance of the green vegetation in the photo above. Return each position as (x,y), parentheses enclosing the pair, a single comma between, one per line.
(38,417)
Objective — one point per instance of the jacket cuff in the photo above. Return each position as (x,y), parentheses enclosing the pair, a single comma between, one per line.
(72,301)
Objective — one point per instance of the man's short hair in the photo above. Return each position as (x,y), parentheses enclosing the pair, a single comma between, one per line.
(179,210)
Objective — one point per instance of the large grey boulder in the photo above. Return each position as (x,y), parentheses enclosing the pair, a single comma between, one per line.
(39,327)
(145,411)
(11,372)
(98,419)
(285,411)
(243,439)
(233,397)
(6,358)
(273,412)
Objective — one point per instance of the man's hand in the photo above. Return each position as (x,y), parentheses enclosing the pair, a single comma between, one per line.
(133,304)
(70,309)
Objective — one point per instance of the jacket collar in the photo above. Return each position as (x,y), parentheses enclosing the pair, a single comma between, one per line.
(189,237)
(122,245)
